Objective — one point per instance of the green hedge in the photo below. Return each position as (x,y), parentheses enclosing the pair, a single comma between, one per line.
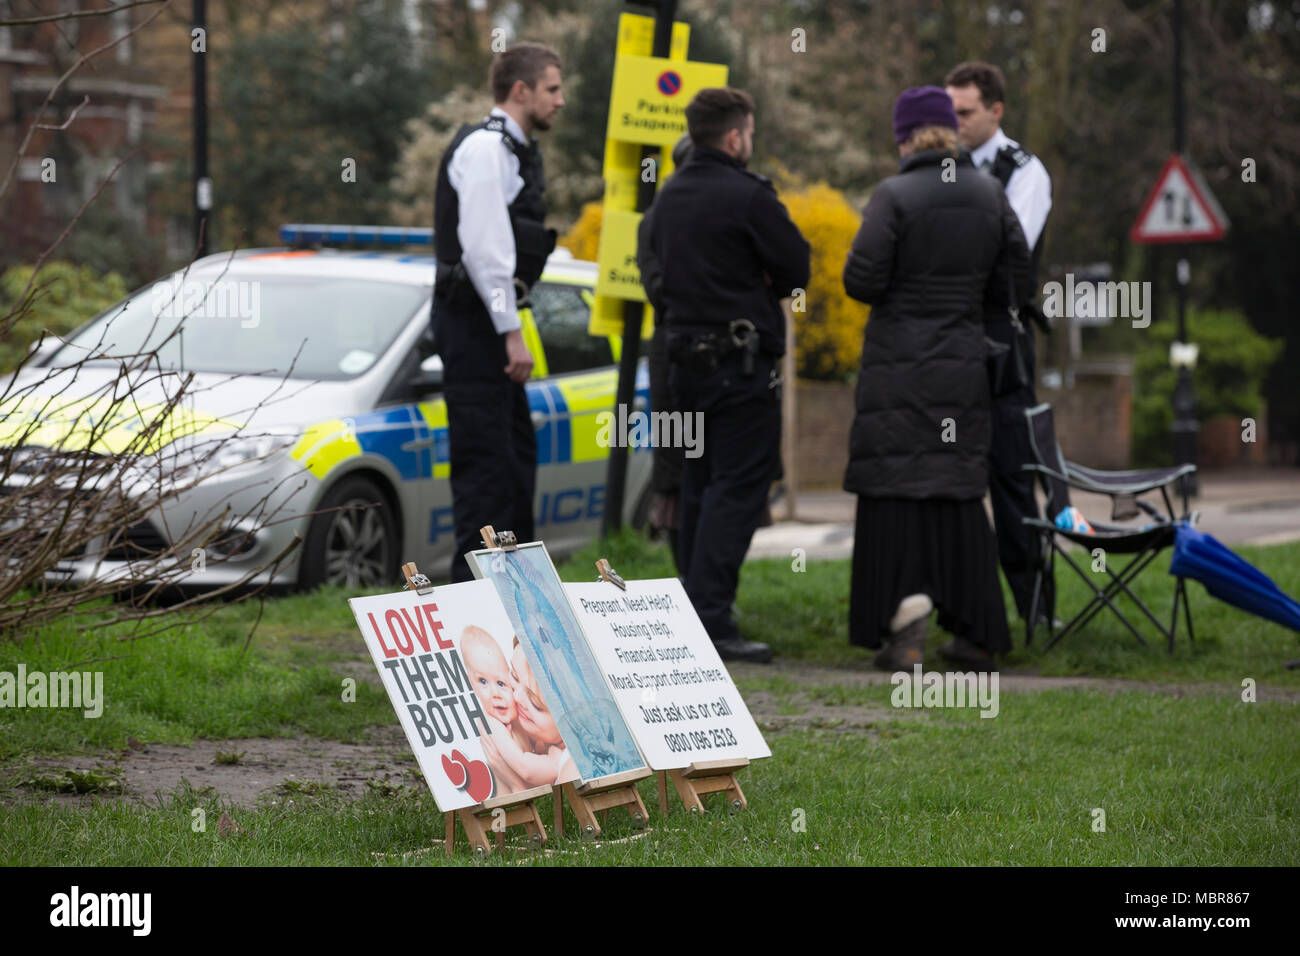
(1231,366)
(62,298)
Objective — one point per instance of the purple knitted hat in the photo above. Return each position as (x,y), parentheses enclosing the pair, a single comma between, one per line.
(922,106)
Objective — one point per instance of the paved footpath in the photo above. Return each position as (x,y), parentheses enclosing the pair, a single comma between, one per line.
(1255,506)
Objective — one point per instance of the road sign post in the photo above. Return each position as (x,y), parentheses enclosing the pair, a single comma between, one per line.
(633,312)
(1180,210)
(647,113)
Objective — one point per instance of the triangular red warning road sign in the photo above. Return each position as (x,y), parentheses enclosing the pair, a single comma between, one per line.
(1180,208)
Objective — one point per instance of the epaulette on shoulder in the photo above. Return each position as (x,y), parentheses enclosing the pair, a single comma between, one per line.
(1019,155)
(496,124)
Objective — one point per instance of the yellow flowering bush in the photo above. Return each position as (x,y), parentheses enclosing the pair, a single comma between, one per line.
(828,324)
(583,239)
(828,330)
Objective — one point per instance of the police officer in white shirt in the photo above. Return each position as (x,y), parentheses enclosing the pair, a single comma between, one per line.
(977,91)
(491,244)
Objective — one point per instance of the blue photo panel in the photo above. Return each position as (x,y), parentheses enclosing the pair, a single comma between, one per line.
(571,685)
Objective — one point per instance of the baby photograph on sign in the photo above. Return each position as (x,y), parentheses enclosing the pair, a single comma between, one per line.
(530,752)
(464,692)
(585,714)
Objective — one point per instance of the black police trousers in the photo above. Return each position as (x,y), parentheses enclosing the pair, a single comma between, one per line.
(724,490)
(1011,490)
(493,446)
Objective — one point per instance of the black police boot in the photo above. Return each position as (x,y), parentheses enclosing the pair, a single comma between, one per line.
(739,649)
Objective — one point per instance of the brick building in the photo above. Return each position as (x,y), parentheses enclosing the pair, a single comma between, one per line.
(108,108)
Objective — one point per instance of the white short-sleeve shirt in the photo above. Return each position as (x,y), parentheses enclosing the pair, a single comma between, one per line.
(485,175)
(1029,190)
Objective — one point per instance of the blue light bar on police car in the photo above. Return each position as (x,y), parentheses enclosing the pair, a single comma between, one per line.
(318,234)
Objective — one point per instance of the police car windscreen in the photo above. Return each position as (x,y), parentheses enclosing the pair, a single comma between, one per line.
(316,327)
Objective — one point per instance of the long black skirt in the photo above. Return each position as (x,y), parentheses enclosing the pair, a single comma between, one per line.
(933,546)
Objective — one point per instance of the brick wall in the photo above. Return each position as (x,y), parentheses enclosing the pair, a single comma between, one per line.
(824,412)
(1094,417)
(1220,442)
(1093,423)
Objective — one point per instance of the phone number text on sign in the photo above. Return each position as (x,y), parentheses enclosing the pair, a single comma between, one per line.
(700,740)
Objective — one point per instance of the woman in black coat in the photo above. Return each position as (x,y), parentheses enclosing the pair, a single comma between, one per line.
(939,248)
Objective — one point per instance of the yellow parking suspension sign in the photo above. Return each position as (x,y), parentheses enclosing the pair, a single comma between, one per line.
(642,85)
(619,276)
(648,101)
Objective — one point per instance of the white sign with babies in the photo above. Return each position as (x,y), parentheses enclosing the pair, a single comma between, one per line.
(464,693)
(667,678)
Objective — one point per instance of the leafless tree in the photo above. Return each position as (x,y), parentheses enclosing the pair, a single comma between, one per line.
(86,462)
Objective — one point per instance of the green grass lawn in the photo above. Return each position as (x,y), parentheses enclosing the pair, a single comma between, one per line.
(1181,781)
(198,681)
(1203,778)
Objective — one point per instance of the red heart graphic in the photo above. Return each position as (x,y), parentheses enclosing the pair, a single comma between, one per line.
(454,771)
(480,786)
(480,781)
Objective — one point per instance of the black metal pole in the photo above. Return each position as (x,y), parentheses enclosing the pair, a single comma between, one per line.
(616,474)
(1186,427)
(1178,76)
(202,183)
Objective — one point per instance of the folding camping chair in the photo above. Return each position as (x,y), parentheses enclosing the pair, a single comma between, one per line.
(1144,543)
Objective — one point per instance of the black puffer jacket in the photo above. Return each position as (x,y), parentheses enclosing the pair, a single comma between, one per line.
(932,257)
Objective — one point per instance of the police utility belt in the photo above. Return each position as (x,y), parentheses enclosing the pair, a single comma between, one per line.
(533,246)
(454,287)
(702,353)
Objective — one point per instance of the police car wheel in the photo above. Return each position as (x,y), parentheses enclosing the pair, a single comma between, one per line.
(352,542)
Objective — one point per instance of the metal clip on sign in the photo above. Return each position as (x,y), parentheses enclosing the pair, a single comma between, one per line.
(505,540)
(416,580)
(607,573)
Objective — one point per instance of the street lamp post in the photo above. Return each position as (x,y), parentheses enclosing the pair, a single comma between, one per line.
(202,182)
(1186,427)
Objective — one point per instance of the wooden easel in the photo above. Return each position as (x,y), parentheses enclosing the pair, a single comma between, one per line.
(495,813)
(597,796)
(701,778)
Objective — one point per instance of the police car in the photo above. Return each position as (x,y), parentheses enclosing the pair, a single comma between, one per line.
(312,375)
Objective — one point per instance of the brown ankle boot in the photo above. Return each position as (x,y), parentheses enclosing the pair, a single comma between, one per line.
(906,647)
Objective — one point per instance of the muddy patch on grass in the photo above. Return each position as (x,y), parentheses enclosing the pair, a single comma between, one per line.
(243,770)
(779,712)
(788,697)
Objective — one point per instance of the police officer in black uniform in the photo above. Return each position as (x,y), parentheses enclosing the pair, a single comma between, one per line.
(977,90)
(491,245)
(728,253)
